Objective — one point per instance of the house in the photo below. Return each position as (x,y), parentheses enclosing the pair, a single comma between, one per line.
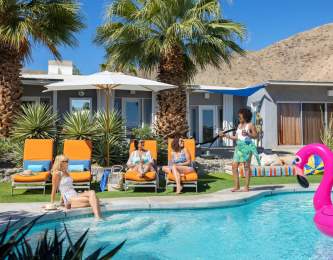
(290,84)
(207,112)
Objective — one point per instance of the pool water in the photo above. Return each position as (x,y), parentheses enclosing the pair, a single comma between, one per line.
(274,227)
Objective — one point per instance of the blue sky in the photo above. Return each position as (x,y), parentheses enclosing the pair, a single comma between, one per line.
(267,21)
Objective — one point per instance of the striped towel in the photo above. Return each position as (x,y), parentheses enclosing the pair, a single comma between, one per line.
(269,171)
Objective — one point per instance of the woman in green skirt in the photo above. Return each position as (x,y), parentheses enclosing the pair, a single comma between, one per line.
(244,149)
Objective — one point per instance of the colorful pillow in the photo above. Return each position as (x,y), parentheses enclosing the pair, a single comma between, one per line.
(46,165)
(76,168)
(315,165)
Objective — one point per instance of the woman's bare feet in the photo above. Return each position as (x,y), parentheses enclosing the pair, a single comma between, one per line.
(234,189)
(179,191)
(246,189)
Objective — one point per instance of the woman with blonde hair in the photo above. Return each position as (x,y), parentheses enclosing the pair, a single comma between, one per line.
(62,180)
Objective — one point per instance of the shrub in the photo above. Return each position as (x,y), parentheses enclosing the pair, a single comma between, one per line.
(111,132)
(327,134)
(18,245)
(34,121)
(79,125)
(144,133)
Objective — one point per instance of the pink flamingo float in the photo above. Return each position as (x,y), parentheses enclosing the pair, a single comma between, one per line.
(322,199)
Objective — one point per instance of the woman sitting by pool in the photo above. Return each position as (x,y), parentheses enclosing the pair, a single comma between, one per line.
(62,180)
(140,160)
(245,147)
(180,163)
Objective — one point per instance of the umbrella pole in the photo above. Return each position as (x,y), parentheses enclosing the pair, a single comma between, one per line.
(108,95)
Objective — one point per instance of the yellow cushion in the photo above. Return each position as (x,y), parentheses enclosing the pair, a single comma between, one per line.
(41,176)
(134,176)
(80,176)
(190,176)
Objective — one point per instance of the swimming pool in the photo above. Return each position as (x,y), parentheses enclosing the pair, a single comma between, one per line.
(274,227)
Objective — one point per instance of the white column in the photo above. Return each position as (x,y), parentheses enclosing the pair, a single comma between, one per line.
(55,101)
(228,115)
(154,108)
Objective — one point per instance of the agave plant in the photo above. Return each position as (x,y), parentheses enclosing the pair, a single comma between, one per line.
(327,134)
(111,131)
(18,246)
(79,125)
(34,121)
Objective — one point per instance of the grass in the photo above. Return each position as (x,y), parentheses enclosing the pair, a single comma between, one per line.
(210,183)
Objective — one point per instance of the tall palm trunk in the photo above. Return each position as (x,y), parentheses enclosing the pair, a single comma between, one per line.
(10,88)
(171,116)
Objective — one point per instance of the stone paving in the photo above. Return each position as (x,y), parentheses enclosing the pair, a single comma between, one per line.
(221,198)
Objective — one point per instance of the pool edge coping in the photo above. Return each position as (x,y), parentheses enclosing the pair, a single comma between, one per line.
(219,199)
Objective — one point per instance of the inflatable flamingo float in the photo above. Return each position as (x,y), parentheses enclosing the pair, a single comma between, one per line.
(322,198)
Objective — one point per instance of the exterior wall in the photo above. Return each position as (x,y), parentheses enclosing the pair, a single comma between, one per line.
(198,98)
(64,99)
(269,97)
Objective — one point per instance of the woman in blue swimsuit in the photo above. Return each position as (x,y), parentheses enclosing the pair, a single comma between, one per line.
(180,163)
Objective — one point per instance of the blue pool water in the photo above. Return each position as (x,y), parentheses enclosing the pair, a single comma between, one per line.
(274,227)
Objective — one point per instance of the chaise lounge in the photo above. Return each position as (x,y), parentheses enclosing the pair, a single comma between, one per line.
(79,165)
(37,158)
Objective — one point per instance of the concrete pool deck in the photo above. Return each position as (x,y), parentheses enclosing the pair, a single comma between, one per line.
(223,198)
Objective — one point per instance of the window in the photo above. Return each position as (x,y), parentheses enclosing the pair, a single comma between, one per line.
(29,100)
(79,104)
(193,115)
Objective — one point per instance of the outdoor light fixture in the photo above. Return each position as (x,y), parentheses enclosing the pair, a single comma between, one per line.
(330,92)
(132,92)
(207,95)
(81,93)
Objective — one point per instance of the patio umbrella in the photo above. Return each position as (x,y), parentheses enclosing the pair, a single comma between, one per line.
(109,81)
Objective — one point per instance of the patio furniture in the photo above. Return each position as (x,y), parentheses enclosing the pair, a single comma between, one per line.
(150,179)
(37,158)
(79,165)
(189,179)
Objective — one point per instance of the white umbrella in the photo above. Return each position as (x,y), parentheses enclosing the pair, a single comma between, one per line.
(109,81)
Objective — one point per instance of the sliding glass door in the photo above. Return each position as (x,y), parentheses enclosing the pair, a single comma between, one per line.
(302,123)
(289,124)
(312,118)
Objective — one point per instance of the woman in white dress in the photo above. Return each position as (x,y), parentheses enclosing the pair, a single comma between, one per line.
(140,159)
(62,180)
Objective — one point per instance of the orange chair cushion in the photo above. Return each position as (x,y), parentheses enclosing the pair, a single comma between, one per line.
(78,149)
(134,176)
(190,176)
(80,176)
(38,149)
(40,177)
(150,145)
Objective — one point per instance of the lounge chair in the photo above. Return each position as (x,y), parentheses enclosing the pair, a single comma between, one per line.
(37,157)
(79,165)
(189,179)
(150,179)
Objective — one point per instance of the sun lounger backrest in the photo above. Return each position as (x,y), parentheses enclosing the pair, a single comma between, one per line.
(189,145)
(38,149)
(78,149)
(150,145)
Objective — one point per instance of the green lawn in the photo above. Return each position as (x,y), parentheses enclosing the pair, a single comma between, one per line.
(210,183)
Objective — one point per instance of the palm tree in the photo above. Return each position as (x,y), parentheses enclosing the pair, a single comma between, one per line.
(174,38)
(23,23)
